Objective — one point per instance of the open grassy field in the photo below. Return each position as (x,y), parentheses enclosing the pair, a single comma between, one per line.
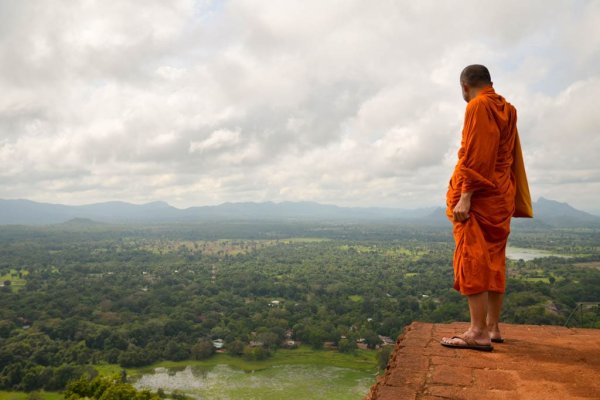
(16,281)
(23,396)
(591,264)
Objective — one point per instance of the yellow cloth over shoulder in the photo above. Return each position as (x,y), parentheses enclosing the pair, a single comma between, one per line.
(523,206)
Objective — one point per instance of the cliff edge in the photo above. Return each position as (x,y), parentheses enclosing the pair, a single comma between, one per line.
(534,362)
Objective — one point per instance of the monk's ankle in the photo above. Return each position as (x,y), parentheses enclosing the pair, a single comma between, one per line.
(479,331)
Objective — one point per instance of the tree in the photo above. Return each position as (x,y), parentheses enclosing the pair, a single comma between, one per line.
(6,327)
(119,391)
(80,388)
(256,353)
(32,378)
(105,388)
(372,339)
(62,375)
(383,356)
(346,346)
(176,351)
(134,356)
(236,347)
(316,336)
(269,339)
(202,349)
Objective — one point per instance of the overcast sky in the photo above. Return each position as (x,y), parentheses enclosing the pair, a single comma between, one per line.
(352,103)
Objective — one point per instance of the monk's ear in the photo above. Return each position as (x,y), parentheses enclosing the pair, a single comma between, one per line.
(465,91)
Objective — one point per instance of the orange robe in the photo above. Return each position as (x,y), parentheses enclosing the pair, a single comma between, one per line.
(484,166)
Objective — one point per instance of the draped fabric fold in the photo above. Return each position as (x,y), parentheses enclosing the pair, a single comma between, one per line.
(490,164)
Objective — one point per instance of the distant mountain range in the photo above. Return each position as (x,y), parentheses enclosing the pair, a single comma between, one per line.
(557,214)
(28,212)
(548,213)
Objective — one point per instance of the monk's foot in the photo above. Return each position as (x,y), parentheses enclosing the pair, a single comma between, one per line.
(494,332)
(481,338)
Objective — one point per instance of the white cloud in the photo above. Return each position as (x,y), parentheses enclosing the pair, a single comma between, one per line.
(219,139)
(347,102)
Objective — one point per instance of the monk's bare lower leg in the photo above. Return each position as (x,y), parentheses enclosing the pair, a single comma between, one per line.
(493,314)
(478,308)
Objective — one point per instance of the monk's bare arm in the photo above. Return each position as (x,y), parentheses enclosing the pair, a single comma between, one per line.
(461,211)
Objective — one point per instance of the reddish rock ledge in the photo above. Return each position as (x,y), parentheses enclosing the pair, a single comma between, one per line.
(534,362)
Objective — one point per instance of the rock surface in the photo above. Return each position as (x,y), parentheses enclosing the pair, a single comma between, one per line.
(534,362)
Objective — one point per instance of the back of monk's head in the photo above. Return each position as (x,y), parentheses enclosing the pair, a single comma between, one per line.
(475,76)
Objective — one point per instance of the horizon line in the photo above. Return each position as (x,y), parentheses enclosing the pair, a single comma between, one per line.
(215,205)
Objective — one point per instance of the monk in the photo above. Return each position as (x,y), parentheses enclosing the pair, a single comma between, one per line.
(480,203)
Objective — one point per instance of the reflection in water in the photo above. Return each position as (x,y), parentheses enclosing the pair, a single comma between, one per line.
(277,382)
(185,380)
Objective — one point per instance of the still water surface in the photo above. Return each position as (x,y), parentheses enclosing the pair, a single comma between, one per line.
(526,254)
(297,381)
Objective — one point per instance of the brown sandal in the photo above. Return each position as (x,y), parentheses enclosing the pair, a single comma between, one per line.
(470,344)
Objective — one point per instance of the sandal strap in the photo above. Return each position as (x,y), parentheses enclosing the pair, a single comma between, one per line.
(469,341)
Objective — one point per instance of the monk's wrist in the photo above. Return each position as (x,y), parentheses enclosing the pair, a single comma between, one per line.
(466,196)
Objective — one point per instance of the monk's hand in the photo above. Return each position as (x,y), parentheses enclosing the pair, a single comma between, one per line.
(461,210)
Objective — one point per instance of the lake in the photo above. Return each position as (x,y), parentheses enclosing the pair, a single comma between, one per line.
(526,254)
(284,381)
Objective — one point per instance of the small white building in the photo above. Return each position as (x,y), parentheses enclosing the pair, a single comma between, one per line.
(387,341)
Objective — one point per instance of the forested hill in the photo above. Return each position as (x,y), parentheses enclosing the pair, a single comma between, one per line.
(548,213)
(559,214)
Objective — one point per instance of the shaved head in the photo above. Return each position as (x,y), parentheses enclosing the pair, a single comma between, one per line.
(476,76)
